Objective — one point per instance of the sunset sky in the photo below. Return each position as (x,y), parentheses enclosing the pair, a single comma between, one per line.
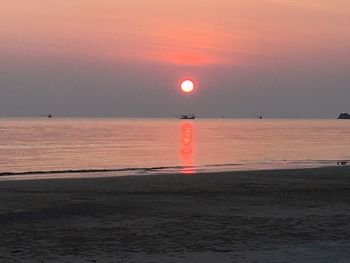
(277,58)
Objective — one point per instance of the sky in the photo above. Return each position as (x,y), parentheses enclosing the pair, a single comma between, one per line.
(126,58)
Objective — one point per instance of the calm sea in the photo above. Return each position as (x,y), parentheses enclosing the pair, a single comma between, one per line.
(58,147)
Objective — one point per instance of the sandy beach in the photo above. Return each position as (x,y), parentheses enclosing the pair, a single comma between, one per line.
(256,216)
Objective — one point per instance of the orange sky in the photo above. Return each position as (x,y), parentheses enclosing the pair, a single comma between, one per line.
(276,58)
(181,32)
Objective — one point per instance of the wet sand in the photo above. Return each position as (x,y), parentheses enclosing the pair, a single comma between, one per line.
(256,216)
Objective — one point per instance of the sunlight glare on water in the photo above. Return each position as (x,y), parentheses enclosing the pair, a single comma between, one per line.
(170,145)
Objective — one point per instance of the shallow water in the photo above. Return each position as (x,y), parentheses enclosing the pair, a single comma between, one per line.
(142,146)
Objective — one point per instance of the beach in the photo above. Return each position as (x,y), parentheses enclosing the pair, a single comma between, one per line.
(300,215)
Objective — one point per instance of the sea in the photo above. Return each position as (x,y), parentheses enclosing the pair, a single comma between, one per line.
(32,148)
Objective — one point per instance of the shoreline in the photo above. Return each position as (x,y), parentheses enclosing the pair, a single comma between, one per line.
(299,215)
(150,171)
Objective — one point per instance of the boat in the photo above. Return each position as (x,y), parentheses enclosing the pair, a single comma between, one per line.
(344,116)
(187,116)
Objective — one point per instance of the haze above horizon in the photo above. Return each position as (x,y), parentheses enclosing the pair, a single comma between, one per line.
(276,58)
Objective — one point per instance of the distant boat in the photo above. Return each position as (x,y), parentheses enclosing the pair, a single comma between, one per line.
(344,116)
(49,116)
(187,117)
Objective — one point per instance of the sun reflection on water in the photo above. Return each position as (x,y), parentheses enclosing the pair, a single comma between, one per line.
(187,147)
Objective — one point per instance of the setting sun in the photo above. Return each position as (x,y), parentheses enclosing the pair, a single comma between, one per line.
(187,86)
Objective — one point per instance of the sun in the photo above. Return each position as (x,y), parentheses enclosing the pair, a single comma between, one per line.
(187,86)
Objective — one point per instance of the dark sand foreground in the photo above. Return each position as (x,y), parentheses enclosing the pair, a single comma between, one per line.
(262,216)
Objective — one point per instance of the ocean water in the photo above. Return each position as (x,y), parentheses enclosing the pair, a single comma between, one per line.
(42,147)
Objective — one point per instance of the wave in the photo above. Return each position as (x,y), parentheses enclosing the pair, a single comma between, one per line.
(169,169)
(87,170)
(107,170)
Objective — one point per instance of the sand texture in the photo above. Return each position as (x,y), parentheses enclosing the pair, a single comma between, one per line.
(257,216)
